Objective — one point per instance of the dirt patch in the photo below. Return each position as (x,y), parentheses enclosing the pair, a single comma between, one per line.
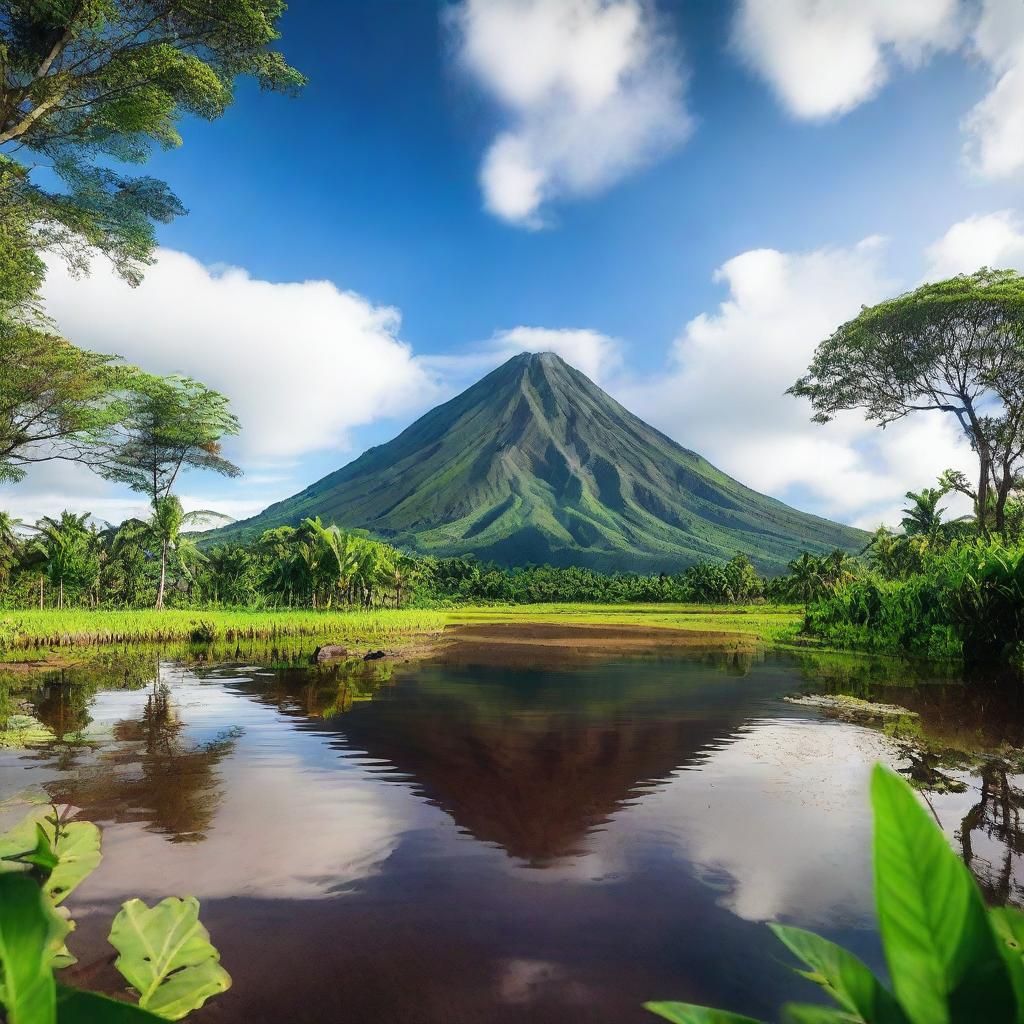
(551,644)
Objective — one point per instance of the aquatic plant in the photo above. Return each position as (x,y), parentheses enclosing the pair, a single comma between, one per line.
(165,953)
(951,960)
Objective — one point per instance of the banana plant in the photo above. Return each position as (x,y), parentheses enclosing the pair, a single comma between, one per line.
(951,960)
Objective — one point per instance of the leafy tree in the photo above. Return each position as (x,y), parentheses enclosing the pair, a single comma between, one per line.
(84,81)
(956,347)
(56,401)
(170,424)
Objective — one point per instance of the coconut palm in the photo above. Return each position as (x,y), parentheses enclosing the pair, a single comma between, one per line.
(923,517)
(805,577)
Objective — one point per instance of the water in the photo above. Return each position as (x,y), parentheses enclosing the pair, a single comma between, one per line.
(489,839)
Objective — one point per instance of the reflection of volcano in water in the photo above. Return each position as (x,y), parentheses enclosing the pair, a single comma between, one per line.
(533,760)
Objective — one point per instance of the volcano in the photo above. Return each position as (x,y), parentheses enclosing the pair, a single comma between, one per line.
(536,464)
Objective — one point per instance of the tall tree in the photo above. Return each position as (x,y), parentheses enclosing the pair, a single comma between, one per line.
(956,347)
(84,81)
(56,401)
(170,424)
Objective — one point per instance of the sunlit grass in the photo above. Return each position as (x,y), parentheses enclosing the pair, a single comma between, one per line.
(73,627)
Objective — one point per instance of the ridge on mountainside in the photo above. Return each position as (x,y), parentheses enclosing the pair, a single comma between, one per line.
(535,463)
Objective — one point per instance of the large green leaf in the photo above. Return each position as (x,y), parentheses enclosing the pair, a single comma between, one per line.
(845,977)
(74,856)
(808,1013)
(687,1013)
(28,930)
(75,1006)
(942,954)
(167,956)
(1008,924)
(78,855)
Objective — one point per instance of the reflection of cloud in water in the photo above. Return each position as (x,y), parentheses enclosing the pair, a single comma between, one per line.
(299,823)
(779,820)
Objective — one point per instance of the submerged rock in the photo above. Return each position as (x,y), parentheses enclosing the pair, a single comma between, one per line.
(374,655)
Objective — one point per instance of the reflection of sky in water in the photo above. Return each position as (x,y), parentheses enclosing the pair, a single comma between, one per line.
(525,832)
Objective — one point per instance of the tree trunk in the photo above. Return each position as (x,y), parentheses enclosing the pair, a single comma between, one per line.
(40,593)
(163,575)
(60,593)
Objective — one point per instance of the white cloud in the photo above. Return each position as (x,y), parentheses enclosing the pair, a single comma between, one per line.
(724,392)
(987,240)
(824,57)
(995,125)
(597,355)
(302,362)
(592,90)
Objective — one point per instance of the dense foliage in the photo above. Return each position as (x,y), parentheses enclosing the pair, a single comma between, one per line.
(951,960)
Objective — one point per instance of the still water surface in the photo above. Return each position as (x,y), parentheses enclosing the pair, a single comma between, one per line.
(465,841)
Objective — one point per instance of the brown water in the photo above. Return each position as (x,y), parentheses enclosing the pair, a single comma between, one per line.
(465,841)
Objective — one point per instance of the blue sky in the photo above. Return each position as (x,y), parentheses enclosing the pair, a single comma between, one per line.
(775,164)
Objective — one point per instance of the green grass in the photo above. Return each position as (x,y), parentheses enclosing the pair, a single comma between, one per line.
(33,628)
(27,631)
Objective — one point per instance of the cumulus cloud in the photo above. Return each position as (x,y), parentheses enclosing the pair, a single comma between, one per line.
(723,393)
(597,355)
(987,240)
(303,362)
(824,57)
(592,89)
(995,126)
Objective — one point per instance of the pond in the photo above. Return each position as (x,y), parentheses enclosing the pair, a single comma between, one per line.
(502,835)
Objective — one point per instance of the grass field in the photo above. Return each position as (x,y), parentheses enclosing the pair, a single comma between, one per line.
(74,627)
(31,629)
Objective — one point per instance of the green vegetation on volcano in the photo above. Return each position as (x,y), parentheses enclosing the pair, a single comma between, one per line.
(536,464)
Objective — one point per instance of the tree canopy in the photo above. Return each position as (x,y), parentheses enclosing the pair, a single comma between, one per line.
(84,81)
(956,346)
(56,401)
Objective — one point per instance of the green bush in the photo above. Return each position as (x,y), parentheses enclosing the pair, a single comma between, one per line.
(968,601)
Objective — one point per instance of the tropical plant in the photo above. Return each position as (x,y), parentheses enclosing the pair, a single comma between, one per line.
(923,517)
(66,552)
(164,952)
(950,959)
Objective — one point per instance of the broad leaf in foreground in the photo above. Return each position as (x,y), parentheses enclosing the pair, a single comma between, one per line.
(687,1013)
(28,928)
(166,956)
(75,1006)
(941,950)
(845,977)
(1008,924)
(67,862)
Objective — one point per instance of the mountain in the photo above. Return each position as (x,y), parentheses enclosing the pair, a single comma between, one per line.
(535,463)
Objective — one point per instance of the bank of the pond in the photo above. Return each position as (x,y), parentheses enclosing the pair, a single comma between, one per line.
(767,623)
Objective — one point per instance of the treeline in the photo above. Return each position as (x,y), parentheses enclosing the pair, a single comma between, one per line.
(71,561)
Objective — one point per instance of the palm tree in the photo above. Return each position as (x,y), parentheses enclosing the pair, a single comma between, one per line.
(923,518)
(805,577)
(10,543)
(167,523)
(67,551)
